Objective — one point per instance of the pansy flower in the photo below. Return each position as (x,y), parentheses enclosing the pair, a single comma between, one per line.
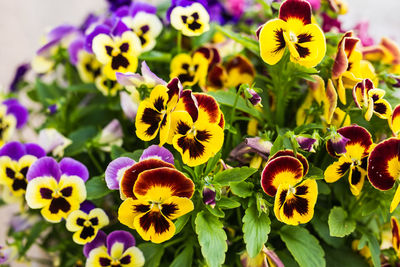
(15,161)
(197,133)
(387,51)
(116,249)
(371,100)
(132,81)
(141,18)
(293,29)
(189,69)
(153,114)
(129,104)
(89,68)
(56,188)
(353,161)
(239,71)
(189,17)
(86,222)
(395,235)
(111,135)
(107,86)
(117,53)
(162,195)
(282,178)
(12,116)
(325,97)
(394,121)
(53,142)
(122,172)
(384,167)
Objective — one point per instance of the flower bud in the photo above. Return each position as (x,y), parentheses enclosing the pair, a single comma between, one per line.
(306,143)
(209,196)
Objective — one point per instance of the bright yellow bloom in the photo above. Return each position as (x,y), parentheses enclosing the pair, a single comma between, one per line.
(189,69)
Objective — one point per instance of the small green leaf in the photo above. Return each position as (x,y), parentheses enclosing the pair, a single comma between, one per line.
(212,163)
(256,229)
(79,139)
(216,211)
(373,246)
(152,253)
(228,203)
(155,56)
(212,238)
(315,173)
(277,145)
(339,223)
(184,258)
(116,152)
(181,222)
(96,188)
(242,189)
(233,175)
(303,246)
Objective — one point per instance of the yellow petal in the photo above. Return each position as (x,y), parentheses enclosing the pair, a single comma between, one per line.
(396,200)
(272,43)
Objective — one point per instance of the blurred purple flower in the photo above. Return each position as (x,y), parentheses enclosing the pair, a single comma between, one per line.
(330,24)
(19,76)
(113,5)
(361,30)
(17,110)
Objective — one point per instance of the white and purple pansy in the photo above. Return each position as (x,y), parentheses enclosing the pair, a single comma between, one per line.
(13,115)
(132,81)
(56,188)
(15,161)
(141,18)
(125,170)
(116,249)
(86,222)
(189,17)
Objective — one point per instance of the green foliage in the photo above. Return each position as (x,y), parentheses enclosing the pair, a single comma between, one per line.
(233,175)
(256,228)
(340,224)
(304,247)
(96,188)
(212,238)
(152,253)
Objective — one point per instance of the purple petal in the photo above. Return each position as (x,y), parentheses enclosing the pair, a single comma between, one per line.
(98,30)
(71,167)
(116,4)
(209,196)
(19,76)
(255,99)
(339,144)
(87,206)
(52,109)
(129,78)
(184,3)
(19,112)
(45,166)
(14,150)
(305,143)
(45,48)
(129,107)
(74,48)
(155,151)
(113,174)
(148,74)
(35,150)
(138,6)
(89,20)
(60,31)
(98,241)
(123,237)
(260,146)
(120,28)
(122,12)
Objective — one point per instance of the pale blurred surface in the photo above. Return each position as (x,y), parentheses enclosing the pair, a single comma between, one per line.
(23,22)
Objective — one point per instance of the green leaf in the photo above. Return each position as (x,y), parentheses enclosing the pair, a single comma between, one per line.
(277,145)
(315,173)
(373,246)
(211,163)
(79,139)
(249,43)
(233,175)
(242,189)
(47,93)
(323,188)
(343,257)
(116,152)
(339,223)
(34,234)
(212,238)
(152,253)
(216,211)
(303,246)
(227,98)
(184,258)
(82,88)
(228,203)
(181,222)
(156,56)
(256,229)
(96,188)
(320,224)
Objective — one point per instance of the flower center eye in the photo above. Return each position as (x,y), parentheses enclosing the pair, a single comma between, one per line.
(115,53)
(56,194)
(87,223)
(293,37)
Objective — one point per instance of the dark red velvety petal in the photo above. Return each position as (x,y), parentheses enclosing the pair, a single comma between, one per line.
(288,152)
(297,9)
(383,164)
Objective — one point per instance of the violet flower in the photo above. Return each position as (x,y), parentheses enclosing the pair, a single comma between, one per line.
(17,110)
(338,143)
(209,195)
(256,98)
(330,24)
(361,30)
(23,221)
(111,135)
(19,76)
(116,248)
(113,5)
(8,254)
(306,143)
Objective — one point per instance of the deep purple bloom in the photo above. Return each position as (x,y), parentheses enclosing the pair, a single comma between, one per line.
(19,76)
(135,8)
(16,150)
(113,5)
(338,143)
(55,36)
(17,110)
(89,20)
(74,48)
(209,196)
(306,143)
(87,206)
(255,99)
(52,109)
(99,29)
(330,24)
(184,3)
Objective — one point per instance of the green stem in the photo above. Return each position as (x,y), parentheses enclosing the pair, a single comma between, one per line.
(173,242)
(95,161)
(231,120)
(179,41)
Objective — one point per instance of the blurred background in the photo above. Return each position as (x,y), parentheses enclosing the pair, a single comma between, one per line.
(23,23)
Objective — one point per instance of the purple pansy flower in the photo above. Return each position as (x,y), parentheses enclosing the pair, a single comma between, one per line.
(255,98)
(8,254)
(118,248)
(306,143)
(56,188)
(135,8)
(338,143)
(55,36)
(118,167)
(86,222)
(113,5)
(15,160)
(17,110)
(19,76)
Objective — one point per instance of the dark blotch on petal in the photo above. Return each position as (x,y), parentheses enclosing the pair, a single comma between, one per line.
(303,51)
(141,208)
(80,221)
(296,203)
(104,261)
(19,184)
(119,61)
(304,38)
(301,190)
(380,108)
(152,118)
(46,193)
(10,173)
(156,219)
(196,149)
(66,192)
(280,39)
(87,232)
(124,47)
(94,221)
(125,260)
(58,204)
(355,176)
(168,209)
